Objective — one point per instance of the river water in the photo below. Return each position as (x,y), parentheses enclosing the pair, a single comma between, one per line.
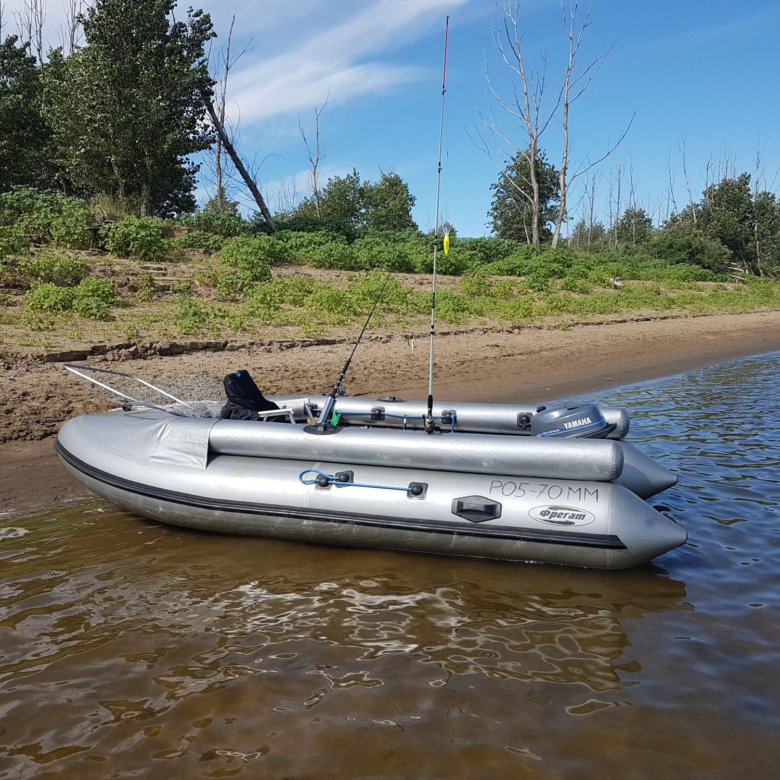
(130,649)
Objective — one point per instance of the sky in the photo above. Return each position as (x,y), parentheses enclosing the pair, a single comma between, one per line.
(694,82)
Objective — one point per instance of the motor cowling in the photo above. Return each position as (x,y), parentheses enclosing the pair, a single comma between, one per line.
(570,420)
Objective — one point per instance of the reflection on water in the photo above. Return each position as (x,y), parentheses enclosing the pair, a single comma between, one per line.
(132,649)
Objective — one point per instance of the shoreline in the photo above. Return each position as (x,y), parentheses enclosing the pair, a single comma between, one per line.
(529,365)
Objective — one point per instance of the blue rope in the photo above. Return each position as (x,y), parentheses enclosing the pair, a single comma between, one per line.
(332,480)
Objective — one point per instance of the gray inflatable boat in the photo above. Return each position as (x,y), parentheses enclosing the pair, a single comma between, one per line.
(469,488)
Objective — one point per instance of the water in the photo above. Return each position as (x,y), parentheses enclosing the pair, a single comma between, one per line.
(129,649)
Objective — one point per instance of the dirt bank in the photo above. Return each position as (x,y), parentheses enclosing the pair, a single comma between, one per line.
(526,364)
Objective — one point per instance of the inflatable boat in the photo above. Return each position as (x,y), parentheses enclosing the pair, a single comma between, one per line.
(496,481)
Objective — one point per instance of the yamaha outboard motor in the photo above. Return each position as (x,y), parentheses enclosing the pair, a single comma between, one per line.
(244,399)
(575,420)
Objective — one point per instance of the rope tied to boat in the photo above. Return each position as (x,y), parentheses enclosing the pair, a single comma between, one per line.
(344,479)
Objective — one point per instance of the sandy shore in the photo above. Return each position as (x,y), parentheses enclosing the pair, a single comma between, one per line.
(527,364)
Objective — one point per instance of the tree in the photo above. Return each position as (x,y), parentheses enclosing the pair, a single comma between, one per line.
(340,201)
(534,111)
(634,227)
(766,230)
(127,110)
(585,234)
(516,201)
(726,214)
(24,135)
(683,242)
(388,204)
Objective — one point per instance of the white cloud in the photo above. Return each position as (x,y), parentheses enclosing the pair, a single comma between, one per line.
(345,56)
(303,50)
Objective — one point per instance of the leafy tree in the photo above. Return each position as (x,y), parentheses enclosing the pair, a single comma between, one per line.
(634,227)
(766,229)
(586,235)
(726,214)
(388,204)
(24,135)
(341,201)
(127,109)
(511,213)
(682,242)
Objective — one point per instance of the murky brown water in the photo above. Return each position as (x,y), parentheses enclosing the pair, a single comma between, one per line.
(129,649)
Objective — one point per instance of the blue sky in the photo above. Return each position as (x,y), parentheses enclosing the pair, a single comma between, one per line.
(695,73)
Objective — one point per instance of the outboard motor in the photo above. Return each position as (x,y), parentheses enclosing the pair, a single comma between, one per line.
(571,420)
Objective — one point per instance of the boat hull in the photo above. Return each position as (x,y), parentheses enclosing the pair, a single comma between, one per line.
(166,469)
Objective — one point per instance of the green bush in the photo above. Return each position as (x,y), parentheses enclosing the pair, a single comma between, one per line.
(681,272)
(334,255)
(254,255)
(50,297)
(42,217)
(12,241)
(374,251)
(59,269)
(94,298)
(273,295)
(140,238)
(225,225)
(147,287)
(336,304)
(69,226)
(190,316)
(683,244)
(198,239)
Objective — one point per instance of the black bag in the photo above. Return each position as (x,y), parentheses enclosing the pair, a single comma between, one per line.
(244,399)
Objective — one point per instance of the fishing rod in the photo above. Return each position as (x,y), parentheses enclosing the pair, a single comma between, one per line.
(428,419)
(338,387)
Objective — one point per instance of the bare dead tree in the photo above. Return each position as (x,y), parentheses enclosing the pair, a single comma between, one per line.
(525,106)
(286,197)
(573,87)
(682,145)
(671,202)
(614,192)
(2,18)
(240,167)
(226,63)
(29,20)
(591,190)
(315,155)
(72,32)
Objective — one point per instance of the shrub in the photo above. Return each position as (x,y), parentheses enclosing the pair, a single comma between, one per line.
(69,226)
(94,298)
(49,297)
(12,241)
(190,315)
(198,239)
(43,216)
(337,304)
(282,292)
(225,225)
(147,287)
(681,244)
(334,255)
(59,269)
(140,238)
(681,272)
(373,251)
(481,251)
(254,255)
